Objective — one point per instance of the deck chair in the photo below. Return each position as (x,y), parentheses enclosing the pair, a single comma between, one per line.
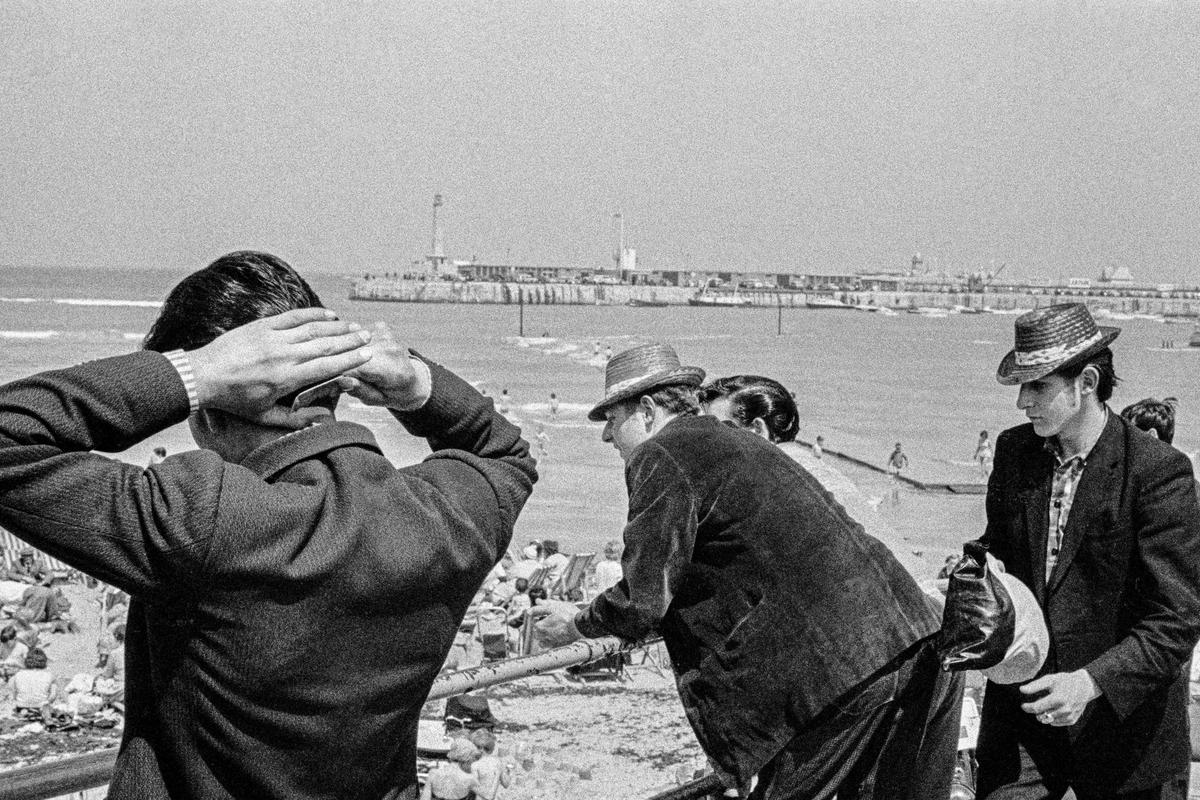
(539,578)
(571,585)
(491,631)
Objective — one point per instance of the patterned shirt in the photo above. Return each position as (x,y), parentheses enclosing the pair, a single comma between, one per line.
(1062,495)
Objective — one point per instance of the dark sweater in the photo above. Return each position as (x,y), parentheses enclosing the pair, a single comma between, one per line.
(289,613)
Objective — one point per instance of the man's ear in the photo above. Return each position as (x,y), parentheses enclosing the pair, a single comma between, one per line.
(759,428)
(1089,379)
(648,407)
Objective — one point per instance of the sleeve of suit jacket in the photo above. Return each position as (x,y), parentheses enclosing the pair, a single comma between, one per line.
(659,538)
(123,524)
(462,427)
(1166,574)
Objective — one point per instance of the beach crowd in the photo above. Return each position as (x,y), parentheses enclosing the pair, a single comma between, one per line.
(293,595)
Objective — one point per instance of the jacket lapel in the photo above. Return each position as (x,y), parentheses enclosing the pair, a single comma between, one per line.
(1097,486)
(1037,469)
(1037,525)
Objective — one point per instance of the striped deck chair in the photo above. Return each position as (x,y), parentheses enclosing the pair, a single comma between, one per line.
(571,585)
(539,577)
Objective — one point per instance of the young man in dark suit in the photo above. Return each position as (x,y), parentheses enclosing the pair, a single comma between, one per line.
(803,651)
(1101,522)
(294,594)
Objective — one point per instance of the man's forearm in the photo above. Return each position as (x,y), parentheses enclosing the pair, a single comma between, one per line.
(106,405)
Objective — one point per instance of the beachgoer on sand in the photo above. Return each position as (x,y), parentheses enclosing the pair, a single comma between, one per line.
(489,771)
(453,779)
(1117,572)
(734,554)
(288,533)
(896,461)
(983,454)
(608,572)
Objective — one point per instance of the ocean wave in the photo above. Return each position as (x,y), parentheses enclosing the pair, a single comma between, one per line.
(29,334)
(85,301)
(100,301)
(75,336)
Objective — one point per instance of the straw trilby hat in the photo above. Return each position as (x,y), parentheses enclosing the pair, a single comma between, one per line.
(1047,339)
(638,370)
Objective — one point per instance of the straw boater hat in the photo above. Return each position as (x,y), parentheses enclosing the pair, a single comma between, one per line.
(1048,339)
(640,370)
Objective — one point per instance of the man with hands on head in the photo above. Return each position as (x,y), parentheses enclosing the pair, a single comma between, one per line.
(1101,522)
(294,593)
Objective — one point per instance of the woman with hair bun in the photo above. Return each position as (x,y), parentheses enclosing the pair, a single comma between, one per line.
(758,404)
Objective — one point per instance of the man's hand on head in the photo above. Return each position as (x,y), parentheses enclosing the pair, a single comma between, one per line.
(391,378)
(246,370)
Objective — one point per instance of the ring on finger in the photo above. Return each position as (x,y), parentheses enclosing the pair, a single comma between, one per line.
(1046,717)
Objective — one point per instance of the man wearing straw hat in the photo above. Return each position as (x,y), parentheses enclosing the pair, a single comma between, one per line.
(1101,522)
(803,651)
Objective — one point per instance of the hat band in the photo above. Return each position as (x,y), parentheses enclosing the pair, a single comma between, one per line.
(621,386)
(1048,355)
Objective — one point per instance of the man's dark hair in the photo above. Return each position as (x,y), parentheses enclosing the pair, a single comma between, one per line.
(755,397)
(7,634)
(1103,362)
(36,659)
(1152,415)
(677,399)
(235,289)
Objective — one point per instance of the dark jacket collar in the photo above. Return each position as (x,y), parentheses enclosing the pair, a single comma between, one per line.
(275,457)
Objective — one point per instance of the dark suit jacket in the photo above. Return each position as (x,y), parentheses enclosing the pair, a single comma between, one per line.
(1122,602)
(772,600)
(290,612)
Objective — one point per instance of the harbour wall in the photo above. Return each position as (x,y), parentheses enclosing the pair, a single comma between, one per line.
(511,293)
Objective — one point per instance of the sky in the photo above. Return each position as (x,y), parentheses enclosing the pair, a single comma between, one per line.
(1055,139)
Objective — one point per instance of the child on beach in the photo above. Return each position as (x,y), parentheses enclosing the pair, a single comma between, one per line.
(488,770)
(34,688)
(608,572)
(453,780)
(542,438)
(553,405)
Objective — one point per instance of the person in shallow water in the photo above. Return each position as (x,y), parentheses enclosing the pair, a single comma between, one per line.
(293,593)
(1101,522)
(803,651)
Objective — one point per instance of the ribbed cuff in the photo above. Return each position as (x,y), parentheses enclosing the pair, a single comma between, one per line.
(183,365)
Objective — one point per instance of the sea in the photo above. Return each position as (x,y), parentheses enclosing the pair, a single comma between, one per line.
(862,381)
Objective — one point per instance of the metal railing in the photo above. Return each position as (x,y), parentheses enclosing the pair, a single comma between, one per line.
(80,773)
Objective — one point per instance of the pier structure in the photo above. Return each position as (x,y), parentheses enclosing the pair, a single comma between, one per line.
(1181,304)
